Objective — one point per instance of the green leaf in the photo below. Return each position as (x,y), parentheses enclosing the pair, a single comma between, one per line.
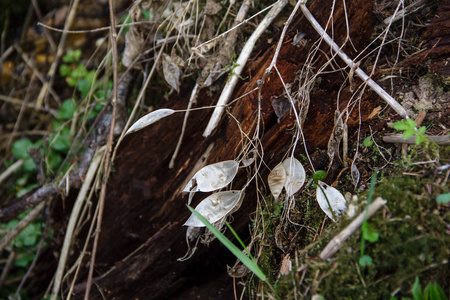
(29,165)
(54,160)
(433,292)
(20,148)
(369,233)
(368,141)
(67,109)
(64,70)
(401,125)
(24,260)
(416,290)
(61,141)
(84,86)
(227,243)
(408,133)
(319,175)
(443,198)
(72,56)
(365,261)
(26,189)
(421,130)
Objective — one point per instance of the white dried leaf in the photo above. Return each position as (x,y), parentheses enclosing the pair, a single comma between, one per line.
(171,72)
(214,207)
(355,174)
(133,46)
(249,158)
(150,119)
(295,176)
(336,199)
(276,180)
(213,177)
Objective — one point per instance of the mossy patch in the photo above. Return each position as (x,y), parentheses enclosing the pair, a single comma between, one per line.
(414,241)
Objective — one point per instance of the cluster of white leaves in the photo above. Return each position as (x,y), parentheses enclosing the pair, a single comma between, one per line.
(211,178)
(289,175)
(215,207)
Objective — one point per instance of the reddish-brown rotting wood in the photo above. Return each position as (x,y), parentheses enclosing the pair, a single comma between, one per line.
(143,200)
(436,43)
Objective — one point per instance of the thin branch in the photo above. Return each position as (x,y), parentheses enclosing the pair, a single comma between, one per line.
(380,91)
(398,139)
(72,222)
(13,233)
(51,73)
(11,169)
(192,101)
(107,165)
(333,246)
(241,61)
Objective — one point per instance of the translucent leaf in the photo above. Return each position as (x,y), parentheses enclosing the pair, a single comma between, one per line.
(171,72)
(249,158)
(281,106)
(214,207)
(335,198)
(276,180)
(149,119)
(355,175)
(213,177)
(295,176)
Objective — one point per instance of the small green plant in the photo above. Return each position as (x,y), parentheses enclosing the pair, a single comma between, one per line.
(408,127)
(432,292)
(78,76)
(319,175)
(368,233)
(443,198)
(24,246)
(247,261)
(368,142)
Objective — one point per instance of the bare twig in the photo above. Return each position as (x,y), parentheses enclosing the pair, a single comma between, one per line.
(280,42)
(93,29)
(51,73)
(336,242)
(51,42)
(73,220)
(192,100)
(11,170)
(107,165)
(370,82)
(16,101)
(241,61)
(398,139)
(13,233)
(412,8)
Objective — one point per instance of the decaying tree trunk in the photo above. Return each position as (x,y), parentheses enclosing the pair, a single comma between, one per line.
(142,234)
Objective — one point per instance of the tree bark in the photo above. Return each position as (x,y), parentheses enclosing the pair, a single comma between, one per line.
(142,234)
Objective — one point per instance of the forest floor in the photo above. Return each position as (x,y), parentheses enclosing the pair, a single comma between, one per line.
(75,188)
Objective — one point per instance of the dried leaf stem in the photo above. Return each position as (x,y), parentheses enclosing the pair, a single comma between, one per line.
(90,175)
(240,63)
(109,147)
(370,82)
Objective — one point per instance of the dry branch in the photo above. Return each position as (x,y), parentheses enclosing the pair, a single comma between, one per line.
(240,63)
(398,139)
(336,242)
(354,66)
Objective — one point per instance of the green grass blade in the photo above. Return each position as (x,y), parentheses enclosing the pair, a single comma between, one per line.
(227,243)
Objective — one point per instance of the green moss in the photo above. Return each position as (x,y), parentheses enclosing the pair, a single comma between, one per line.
(413,242)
